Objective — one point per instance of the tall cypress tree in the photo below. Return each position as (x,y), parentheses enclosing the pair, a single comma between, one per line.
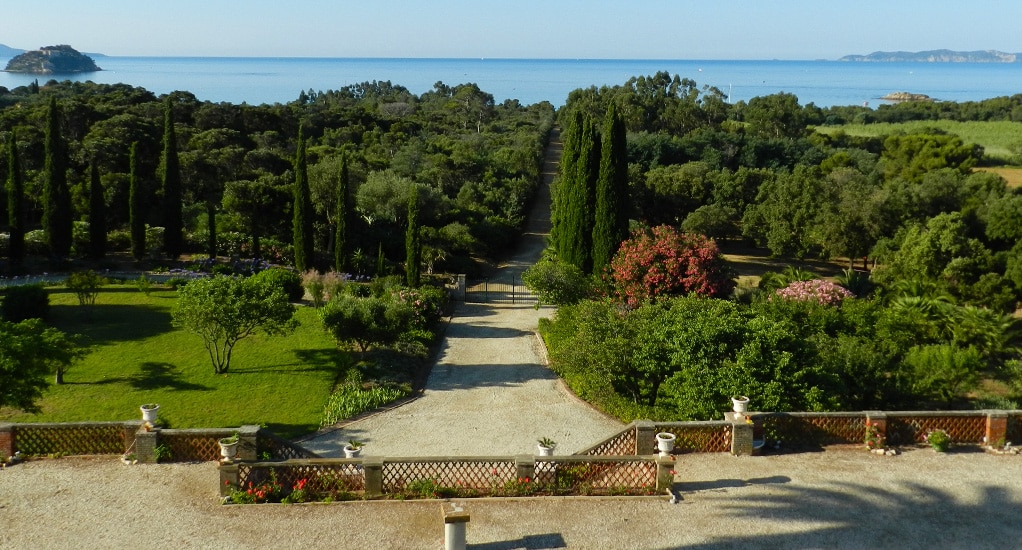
(97,214)
(136,206)
(56,195)
(173,224)
(576,214)
(610,227)
(565,182)
(413,241)
(15,204)
(341,224)
(302,224)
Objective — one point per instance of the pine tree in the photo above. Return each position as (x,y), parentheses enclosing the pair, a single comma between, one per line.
(97,214)
(136,206)
(302,224)
(413,241)
(173,225)
(56,195)
(15,204)
(341,224)
(610,227)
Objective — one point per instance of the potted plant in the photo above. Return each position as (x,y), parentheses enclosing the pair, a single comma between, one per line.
(665,442)
(353,448)
(546,446)
(939,439)
(149,411)
(740,404)
(229,447)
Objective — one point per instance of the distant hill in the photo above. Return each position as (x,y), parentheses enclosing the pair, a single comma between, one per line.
(7,51)
(61,59)
(939,56)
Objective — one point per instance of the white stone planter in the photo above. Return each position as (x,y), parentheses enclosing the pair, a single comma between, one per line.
(740,404)
(352,452)
(665,443)
(228,448)
(149,412)
(545,451)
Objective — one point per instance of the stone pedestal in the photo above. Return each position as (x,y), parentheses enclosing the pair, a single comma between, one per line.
(741,434)
(455,526)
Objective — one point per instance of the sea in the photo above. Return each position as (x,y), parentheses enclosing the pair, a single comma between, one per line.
(268,80)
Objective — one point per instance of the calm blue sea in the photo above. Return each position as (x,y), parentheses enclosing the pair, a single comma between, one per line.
(279,80)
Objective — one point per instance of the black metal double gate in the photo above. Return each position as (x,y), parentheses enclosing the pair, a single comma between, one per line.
(505,289)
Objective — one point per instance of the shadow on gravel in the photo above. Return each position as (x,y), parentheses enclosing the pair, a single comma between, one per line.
(727,484)
(865,515)
(529,542)
(485,331)
(461,377)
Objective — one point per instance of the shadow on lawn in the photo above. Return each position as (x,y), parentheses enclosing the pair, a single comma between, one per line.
(106,324)
(309,360)
(163,376)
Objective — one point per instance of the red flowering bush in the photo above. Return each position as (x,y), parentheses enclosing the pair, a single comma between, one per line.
(817,290)
(663,261)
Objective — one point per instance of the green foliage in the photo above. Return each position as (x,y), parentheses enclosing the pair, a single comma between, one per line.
(86,285)
(349,400)
(25,302)
(365,321)
(136,202)
(286,280)
(57,214)
(610,226)
(302,207)
(97,214)
(557,283)
(28,352)
(413,242)
(909,157)
(224,310)
(171,172)
(15,203)
(944,372)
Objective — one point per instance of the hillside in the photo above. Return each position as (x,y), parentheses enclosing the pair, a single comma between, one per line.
(7,51)
(61,59)
(938,56)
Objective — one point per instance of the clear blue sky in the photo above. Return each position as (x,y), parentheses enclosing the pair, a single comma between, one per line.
(595,29)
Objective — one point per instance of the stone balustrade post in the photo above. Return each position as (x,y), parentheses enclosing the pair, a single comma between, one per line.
(6,440)
(229,479)
(248,444)
(525,467)
(996,428)
(372,467)
(645,438)
(130,428)
(664,473)
(145,444)
(741,436)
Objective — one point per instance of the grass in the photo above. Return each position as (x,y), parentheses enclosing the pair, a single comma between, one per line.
(997,137)
(137,357)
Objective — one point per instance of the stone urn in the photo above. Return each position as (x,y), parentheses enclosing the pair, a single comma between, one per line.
(228,448)
(149,412)
(352,450)
(740,404)
(665,442)
(545,447)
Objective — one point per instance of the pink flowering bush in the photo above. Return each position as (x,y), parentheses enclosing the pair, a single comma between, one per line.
(817,290)
(663,261)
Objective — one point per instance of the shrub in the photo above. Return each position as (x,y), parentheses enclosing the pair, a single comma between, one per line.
(315,286)
(663,262)
(285,279)
(557,283)
(118,240)
(817,290)
(25,302)
(85,285)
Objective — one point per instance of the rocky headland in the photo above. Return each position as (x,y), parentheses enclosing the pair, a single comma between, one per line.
(61,59)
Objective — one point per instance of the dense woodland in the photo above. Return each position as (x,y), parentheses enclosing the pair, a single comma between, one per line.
(922,317)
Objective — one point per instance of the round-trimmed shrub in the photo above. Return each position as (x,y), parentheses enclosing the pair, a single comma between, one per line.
(286,279)
(25,302)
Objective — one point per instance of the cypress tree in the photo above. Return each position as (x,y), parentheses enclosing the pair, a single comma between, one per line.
(565,182)
(211,229)
(97,214)
(413,241)
(136,207)
(610,227)
(381,260)
(173,224)
(15,204)
(341,224)
(302,223)
(579,197)
(56,195)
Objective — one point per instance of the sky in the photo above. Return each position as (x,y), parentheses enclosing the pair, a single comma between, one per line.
(551,29)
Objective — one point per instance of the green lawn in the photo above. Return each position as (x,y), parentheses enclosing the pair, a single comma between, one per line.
(996,137)
(137,357)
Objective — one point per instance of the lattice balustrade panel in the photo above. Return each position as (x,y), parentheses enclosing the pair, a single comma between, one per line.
(319,478)
(903,430)
(584,477)
(621,445)
(71,439)
(700,439)
(814,430)
(191,447)
(468,474)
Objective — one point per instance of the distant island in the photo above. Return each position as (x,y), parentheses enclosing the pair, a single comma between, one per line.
(62,59)
(938,56)
(7,51)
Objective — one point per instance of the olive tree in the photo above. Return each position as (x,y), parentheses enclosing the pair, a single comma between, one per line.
(30,350)
(224,310)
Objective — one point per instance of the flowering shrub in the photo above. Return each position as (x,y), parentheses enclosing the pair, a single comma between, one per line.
(664,261)
(874,439)
(267,491)
(427,305)
(817,290)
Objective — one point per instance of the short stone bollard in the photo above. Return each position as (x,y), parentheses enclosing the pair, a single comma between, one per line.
(455,525)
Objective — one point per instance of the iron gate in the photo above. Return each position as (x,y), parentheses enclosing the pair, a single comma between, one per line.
(505,288)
